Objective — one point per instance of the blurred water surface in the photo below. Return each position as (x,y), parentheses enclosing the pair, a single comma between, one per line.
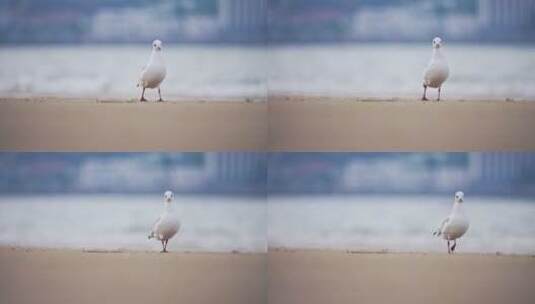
(222,224)
(209,223)
(113,71)
(396,70)
(398,223)
(248,72)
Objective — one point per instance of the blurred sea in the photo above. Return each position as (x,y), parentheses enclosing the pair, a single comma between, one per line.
(396,70)
(104,71)
(209,223)
(398,223)
(225,223)
(230,72)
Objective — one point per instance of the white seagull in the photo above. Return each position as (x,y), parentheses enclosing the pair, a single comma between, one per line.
(167,224)
(437,70)
(455,225)
(154,72)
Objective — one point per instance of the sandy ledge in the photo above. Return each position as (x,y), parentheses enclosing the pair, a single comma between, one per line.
(316,276)
(358,124)
(73,276)
(285,123)
(61,124)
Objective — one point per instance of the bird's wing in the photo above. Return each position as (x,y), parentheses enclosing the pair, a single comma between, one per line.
(140,80)
(431,70)
(155,227)
(143,70)
(439,230)
(156,223)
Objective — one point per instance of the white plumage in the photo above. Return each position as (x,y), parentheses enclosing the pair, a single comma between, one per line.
(154,72)
(455,225)
(437,70)
(167,225)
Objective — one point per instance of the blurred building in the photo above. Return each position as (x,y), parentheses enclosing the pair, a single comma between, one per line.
(234,20)
(133,172)
(499,167)
(419,174)
(141,173)
(483,173)
(505,14)
(132,24)
(247,172)
(507,20)
(243,19)
(224,168)
(396,22)
(198,172)
(246,20)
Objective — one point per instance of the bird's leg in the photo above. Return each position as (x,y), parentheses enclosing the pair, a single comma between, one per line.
(143,95)
(163,246)
(425,90)
(159,94)
(449,248)
(454,245)
(164,243)
(438,98)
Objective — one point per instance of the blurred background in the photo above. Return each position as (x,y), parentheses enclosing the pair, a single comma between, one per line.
(111,200)
(261,20)
(353,201)
(393,201)
(487,173)
(217,48)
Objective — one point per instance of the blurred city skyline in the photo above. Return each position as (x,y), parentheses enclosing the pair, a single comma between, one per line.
(487,173)
(187,172)
(265,21)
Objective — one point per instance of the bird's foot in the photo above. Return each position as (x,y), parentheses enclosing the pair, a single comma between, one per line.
(163,251)
(424,99)
(142,99)
(160,100)
(438,99)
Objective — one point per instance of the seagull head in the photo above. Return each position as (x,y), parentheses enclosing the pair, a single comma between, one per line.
(157,45)
(437,43)
(168,196)
(459,197)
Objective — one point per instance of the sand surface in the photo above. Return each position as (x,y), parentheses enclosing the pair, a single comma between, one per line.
(44,124)
(311,277)
(351,124)
(289,276)
(72,276)
(285,123)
